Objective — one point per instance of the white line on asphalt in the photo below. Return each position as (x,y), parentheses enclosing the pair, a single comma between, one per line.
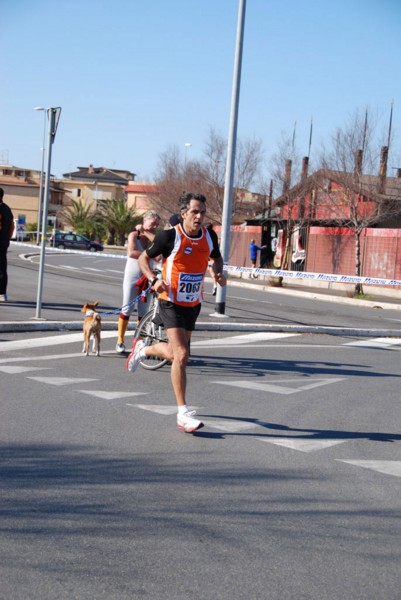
(48,341)
(275,386)
(243,339)
(14,370)
(62,380)
(249,299)
(70,267)
(111,395)
(376,343)
(43,357)
(302,445)
(388,467)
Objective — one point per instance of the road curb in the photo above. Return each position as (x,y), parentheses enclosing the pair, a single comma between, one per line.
(40,326)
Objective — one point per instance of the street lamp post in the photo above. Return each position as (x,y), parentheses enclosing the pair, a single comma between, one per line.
(53,116)
(231,147)
(186,146)
(40,204)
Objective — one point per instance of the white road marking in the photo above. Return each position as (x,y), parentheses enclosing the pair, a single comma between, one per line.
(388,467)
(61,380)
(232,425)
(70,267)
(243,339)
(275,386)
(376,343)
(92,269)
(302,445)
(157,408)
(111,395)
(55,340)
(43,357)
(13,370)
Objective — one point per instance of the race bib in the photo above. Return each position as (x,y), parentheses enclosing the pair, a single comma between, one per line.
(189,287)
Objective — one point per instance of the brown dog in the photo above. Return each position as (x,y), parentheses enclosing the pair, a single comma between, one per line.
(92,326)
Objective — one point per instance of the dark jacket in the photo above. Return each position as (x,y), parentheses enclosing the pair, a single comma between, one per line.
(6,225)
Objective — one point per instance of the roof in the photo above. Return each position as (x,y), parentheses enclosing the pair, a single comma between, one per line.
(142,188)
(368,185)
(104,174)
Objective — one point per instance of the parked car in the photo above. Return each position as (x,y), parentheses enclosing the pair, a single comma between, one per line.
(73,241)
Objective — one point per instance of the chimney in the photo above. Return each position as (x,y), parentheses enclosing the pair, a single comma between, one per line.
(382,170)
(287,177)
(305,165)
(358,162)
(91,169)
(398,173)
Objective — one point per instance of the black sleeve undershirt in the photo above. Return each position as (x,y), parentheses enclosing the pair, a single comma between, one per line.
(164,244)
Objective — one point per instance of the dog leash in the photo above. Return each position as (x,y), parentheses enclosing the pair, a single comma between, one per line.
(117,311)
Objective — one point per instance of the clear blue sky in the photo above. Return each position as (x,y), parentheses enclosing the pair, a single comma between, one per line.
(134,78)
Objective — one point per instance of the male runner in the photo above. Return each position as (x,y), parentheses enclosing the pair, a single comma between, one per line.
(186,249)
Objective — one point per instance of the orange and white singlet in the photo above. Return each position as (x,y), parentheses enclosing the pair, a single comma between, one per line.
(184,269)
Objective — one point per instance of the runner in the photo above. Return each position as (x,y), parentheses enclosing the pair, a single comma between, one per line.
(186,249)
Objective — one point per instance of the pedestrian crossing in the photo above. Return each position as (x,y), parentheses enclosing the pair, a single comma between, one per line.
(259,431)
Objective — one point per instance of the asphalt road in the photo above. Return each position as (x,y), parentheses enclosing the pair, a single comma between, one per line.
(292,489)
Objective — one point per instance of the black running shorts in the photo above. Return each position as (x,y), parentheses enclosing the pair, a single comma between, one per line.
(175,316)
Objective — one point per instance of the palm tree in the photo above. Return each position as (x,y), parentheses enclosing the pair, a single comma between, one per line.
(118,219)
(81,218)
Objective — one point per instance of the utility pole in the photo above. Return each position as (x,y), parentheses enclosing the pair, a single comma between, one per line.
(53,116)
(231,148)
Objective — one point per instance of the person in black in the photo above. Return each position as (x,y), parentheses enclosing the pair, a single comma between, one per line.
(6,232)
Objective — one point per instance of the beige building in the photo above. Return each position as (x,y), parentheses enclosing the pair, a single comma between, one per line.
(91,185)
(141,196)
(88,184)
(21,192)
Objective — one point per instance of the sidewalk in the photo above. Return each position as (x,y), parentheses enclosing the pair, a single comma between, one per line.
(17,315)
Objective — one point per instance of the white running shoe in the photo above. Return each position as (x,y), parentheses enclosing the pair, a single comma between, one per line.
(134,359)
(187,423)
(120,348)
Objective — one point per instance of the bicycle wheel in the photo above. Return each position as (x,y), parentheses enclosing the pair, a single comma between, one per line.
(153,334)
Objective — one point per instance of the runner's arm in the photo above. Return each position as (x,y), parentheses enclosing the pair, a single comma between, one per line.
(217,261)
(162,244)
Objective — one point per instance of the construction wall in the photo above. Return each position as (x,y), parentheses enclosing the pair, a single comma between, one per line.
(240,238)
(332,250)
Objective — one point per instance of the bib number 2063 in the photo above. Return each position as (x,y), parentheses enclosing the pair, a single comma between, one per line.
(189,287)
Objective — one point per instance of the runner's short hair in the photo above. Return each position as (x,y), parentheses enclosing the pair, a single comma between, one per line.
(186,198)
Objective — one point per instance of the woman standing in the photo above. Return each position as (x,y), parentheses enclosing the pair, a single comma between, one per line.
(138,241)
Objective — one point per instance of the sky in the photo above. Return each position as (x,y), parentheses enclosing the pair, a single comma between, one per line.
(137,78)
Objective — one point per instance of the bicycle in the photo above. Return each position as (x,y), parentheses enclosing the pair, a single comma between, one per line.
(152,331)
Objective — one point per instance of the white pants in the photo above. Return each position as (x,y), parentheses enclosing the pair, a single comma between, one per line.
(131,275)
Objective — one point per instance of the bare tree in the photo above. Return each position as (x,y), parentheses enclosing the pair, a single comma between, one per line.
(207,176)
(214,168)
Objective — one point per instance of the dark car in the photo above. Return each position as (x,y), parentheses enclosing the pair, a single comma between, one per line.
(73,241)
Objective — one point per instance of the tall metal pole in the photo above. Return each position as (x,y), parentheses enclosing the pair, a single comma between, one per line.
(53,115)
(40,204)
(231,148)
